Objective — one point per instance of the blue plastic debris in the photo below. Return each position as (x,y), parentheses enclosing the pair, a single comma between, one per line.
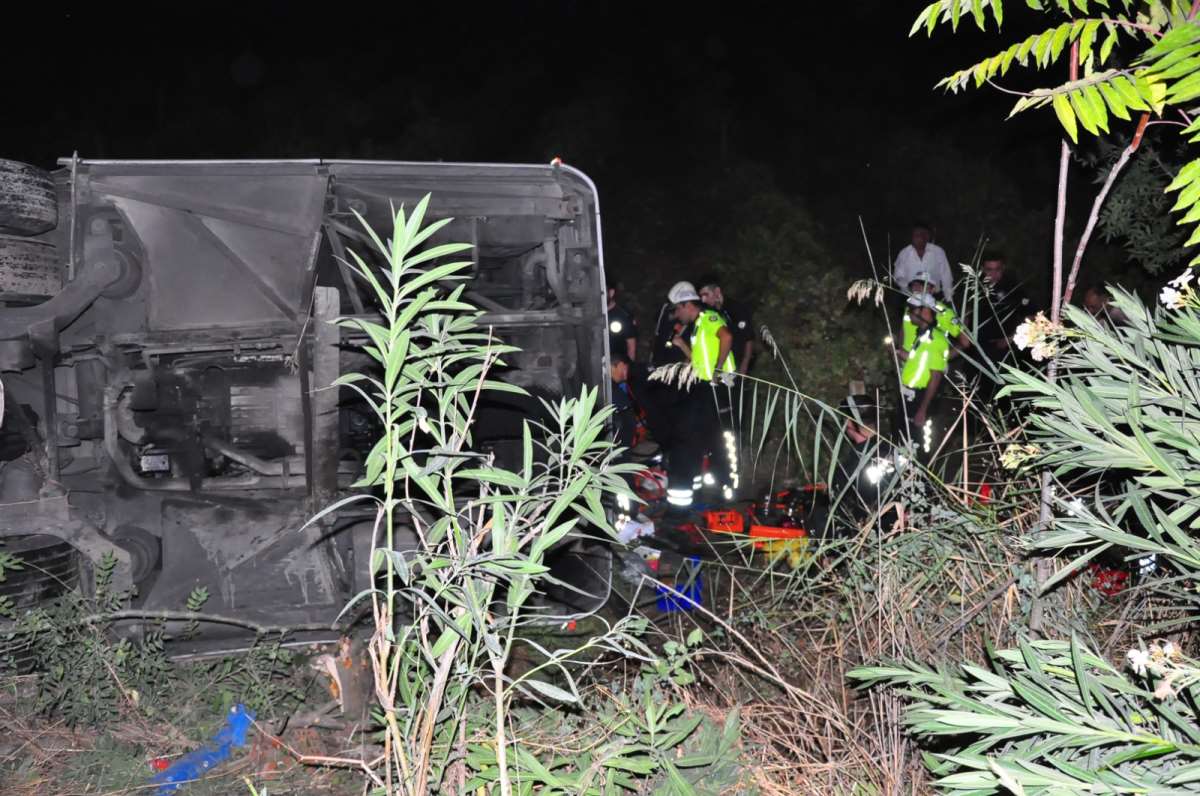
(683,596)
(196,764)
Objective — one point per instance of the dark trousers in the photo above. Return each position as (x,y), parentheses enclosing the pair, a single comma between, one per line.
(926,437)
(703,427)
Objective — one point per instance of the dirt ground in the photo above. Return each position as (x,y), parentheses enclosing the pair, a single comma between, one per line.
(42,757)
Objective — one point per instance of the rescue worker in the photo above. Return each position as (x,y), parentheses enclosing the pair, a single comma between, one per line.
(946,319)
(666,329)
(924,365)
(636,406)
(622,326)
(624,416)
(1005,307)
(704,426)
(866,465)
(737,317)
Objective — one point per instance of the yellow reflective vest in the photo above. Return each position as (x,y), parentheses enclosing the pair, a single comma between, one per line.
(706,346)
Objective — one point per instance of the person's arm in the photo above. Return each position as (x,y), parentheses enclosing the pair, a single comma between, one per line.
(947,281)
(935,381)
(725,340)
(900,272)
(963,342)
(743,363)
(631,348)
(747,352)
(682,345)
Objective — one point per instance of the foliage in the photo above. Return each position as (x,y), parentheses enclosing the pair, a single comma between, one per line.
(462,543)
(1119,428)
(1138,211)
(1115,421)
(262,678)
(8,562)
(88,676)
(1131,398)
(1162,70)
(1050,717)
(91,674)
(822,337)
(637,738)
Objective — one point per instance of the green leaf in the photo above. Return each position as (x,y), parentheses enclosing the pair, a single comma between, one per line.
(1059,41)
(1088,37)
(1115,103)
(1091,95)
(1129,93)
(1066,116)
(493,475)
(1083,111)
(977,12)
(1107,46)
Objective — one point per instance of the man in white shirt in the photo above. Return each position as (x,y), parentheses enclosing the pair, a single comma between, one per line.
(923,256)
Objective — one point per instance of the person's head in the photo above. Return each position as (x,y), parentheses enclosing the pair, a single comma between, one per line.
(1096,299)
(921,235)
(992,267)
(614,287)
(923,283)
(921,308)
(710,291)
(619,367)
(685,300)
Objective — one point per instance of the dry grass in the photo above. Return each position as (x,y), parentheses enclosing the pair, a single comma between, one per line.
(42,757)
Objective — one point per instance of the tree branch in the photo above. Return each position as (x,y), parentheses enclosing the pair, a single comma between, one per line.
(196,616)
(1147,29)
(1098,202)
(1041,566)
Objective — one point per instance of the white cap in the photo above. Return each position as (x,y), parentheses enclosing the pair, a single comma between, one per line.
(922,300)
(681,292)
(921,276)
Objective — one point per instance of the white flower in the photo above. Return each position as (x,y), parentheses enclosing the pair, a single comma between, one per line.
(1075,508)
(1171,298)
(1024,335)
(1168,649)
(1183,280)
(1138,660)
(1043,349)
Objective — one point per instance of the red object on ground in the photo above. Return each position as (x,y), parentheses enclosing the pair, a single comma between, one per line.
(762,533)
(725,521)
(651,484)
(985,493)
(160,764)
(1108,581)
(730,521)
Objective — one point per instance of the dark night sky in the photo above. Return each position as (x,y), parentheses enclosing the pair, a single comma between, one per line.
(649,99)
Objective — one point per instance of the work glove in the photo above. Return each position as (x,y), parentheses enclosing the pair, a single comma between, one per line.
(725,377)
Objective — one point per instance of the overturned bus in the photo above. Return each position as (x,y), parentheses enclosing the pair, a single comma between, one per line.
(164,343)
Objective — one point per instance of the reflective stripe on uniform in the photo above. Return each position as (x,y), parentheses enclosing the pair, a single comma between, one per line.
(679,497)
(922,365)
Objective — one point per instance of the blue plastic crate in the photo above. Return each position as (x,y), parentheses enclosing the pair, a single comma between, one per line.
(688,591)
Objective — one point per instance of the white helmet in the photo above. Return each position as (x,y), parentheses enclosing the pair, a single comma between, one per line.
(681,292)
(922,300)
